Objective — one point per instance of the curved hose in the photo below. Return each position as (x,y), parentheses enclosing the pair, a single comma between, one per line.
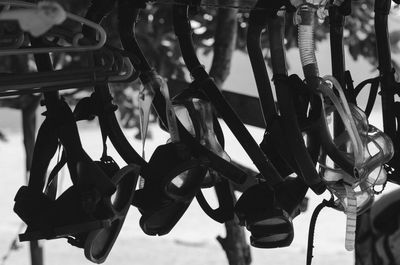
(128,11)
(336,24)
(306,13)
(257,22)
(96,12)
(274,147)
(311,229)
(382,8)
(183,32)
(303,164)
(306,41)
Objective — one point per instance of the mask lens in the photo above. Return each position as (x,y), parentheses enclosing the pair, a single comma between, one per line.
(183,115)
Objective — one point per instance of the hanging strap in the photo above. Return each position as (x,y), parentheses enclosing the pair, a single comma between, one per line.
(225,211)
(291,127)
(104,139)
(351,218)
(310,244)
(372,94)
(87,109)
(349,88)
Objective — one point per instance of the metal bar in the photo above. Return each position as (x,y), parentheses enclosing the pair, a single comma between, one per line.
(241,4)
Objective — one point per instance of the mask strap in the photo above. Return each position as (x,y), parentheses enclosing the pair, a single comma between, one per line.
(351,221)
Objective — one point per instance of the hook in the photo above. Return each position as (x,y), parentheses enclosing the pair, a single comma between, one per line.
(110,71)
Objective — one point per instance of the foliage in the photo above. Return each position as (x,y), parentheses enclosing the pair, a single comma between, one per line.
(156,36)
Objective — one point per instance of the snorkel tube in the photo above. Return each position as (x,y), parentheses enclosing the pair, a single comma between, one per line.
(272,147)
(128,11)
(173,174)
(390,109)
(306,11)
(304,162)
(336,24)
(268,213)
(305,18)
(275,144)
(184,33)
(176,170)
(382,9)
(354,169)
(258,20)
(102,96)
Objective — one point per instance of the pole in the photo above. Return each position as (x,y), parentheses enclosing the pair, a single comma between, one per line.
(29,132)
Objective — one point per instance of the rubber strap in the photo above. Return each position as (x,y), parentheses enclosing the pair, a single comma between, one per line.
(311,230)
(372,94)
(351,222)
(225,199)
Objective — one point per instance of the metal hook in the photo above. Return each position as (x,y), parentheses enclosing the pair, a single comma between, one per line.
(111,71)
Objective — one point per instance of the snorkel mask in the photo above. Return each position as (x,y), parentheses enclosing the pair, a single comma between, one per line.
(188,181)
(196,114)
(172,176)
(365,148)
(351,162)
